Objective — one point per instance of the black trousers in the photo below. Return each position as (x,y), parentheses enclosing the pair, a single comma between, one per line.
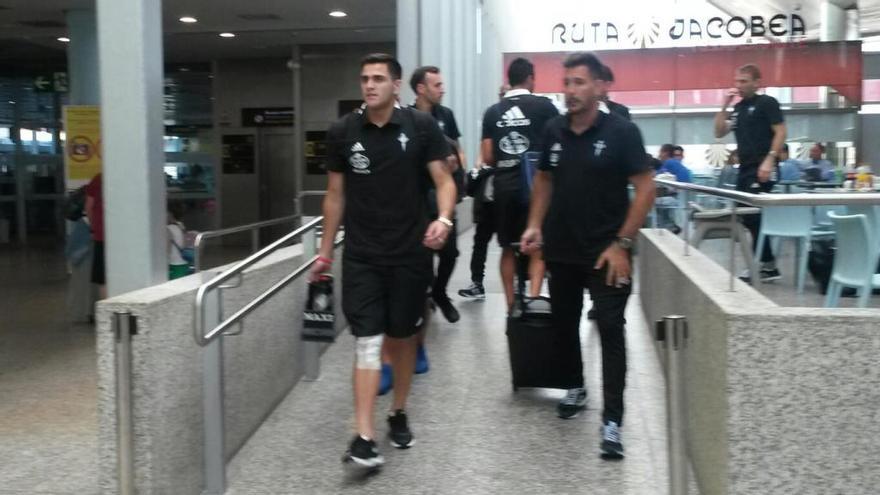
(483,234)
(446,262)
(748,182)
(567,284)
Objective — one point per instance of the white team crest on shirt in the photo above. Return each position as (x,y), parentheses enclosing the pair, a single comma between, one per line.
(403,140)
(599,146)
(360,163)
(357,147)
(554,154)
(751,110)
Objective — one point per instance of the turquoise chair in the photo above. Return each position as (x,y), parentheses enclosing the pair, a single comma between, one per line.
(794,222)
(854,261)
(872,214)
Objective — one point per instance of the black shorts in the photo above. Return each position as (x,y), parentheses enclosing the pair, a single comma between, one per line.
(511,216)
(98,273)
(379,299)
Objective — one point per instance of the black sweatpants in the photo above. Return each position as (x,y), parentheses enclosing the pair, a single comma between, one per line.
(567,284)
(446,262)
(483,233)
(748,182)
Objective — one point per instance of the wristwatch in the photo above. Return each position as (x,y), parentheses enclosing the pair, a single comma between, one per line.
(624,243)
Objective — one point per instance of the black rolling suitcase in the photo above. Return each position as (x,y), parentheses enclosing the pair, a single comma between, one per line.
(531,340)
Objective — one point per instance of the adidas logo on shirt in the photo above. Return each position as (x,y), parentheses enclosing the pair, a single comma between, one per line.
(513,118)
(358,147)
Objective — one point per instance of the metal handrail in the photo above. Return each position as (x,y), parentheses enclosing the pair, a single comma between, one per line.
(779,199)
(252,227)
(203,338)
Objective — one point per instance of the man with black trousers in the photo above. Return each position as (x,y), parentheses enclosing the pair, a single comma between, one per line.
(427,83)
(511,128)
(759,127)
(582,214)
(386,265)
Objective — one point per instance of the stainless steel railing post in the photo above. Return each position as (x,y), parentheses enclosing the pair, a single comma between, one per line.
(124,327)
(213,409)
(686,222)
(673,331)
(733,229)
(311,350)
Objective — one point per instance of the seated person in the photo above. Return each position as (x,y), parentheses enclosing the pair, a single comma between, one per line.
(666,204)
(817,169)
(789,168)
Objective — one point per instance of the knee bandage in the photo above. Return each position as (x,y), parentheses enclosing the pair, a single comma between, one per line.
(368,353)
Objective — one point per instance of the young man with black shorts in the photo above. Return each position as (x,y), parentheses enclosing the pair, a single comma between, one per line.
(380,160)
(511,128)
(582,214)
(759,127)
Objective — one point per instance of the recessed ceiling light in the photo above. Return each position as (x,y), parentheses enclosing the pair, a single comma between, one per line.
(337,13)
(227,35)
(188,20)
(64,39)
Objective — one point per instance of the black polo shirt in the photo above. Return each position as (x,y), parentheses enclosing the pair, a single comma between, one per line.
(591,174)
(751,122)
(386,180)
(446,120)
(514,125)
(618,109)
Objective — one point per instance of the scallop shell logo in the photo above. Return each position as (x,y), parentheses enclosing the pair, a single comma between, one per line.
(643,33)
(717,155)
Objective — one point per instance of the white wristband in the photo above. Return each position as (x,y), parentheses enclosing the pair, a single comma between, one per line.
(445,221)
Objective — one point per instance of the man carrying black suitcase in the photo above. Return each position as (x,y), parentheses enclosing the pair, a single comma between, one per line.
(580,210)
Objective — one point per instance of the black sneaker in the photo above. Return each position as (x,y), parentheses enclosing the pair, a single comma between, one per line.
(770,275)
(399,434)
(611,447)
(446,307)
(363,453)
(572,404)
(475,291)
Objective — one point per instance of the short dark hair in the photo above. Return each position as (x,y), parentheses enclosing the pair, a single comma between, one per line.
(588,60)
(821,147)
(785,147)
(678,148)
(393,65)
(418,75)
(667,148)
(752,70)
(519,70)
(606,74)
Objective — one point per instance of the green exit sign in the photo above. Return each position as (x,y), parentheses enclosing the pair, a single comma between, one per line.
(55,82)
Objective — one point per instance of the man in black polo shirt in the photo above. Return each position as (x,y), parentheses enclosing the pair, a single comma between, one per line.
(580,198)
(511,128)
(759,128)
(427,83)
(607,80)
(380,160)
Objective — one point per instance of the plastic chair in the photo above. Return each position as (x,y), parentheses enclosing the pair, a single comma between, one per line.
(872,215)
(788,221)
(854,261)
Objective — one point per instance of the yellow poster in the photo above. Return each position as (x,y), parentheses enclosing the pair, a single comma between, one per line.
(82,154)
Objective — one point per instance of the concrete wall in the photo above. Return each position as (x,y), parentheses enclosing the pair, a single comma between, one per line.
(261,366)
(781,400)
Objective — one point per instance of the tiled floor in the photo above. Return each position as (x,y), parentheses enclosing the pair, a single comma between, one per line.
(48,381)
(475,435)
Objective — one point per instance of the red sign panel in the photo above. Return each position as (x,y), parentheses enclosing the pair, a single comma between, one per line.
(837,64)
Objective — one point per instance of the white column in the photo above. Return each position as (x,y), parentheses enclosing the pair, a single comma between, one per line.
(82,57)
(130,47)
(408,43)
(832,21)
